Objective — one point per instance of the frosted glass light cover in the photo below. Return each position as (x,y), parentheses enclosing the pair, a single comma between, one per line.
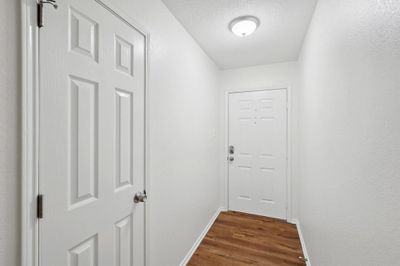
(244,26)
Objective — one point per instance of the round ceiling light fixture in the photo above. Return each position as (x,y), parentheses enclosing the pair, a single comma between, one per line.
(244,26)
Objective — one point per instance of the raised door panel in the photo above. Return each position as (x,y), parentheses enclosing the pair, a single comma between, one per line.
(124,242)
(83,141)
(85,253)
(123,139)
(124,52)
(83,34)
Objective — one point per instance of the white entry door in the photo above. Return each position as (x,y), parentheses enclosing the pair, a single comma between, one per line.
(257,152)
(91,137)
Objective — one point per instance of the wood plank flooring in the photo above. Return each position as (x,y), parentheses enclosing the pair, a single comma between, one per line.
(238,239)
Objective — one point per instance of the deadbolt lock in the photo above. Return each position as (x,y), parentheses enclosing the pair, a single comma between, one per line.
(231,149)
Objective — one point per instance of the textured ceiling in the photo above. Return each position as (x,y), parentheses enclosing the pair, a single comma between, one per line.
(279,38)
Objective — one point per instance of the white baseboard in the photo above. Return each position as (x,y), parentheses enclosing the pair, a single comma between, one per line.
(303,243)
(201,236)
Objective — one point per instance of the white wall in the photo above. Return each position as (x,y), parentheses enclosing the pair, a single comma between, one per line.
(258,77)
(10,155)
(183,133)
(350,133)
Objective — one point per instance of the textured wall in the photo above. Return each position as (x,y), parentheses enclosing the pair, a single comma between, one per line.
(350,132)
(10,120)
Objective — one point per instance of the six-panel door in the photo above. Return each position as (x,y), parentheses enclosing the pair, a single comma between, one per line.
(91,137)
(258,133)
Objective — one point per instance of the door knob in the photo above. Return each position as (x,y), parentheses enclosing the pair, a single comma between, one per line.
(231,159)
(140,197)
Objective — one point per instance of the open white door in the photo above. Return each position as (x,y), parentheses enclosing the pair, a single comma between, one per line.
(258,148)
(91,137)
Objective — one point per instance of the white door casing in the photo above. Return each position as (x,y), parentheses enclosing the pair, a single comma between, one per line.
(91,137)
(257,128)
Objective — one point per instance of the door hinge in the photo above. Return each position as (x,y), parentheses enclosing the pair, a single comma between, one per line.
(40,10)
(39,206)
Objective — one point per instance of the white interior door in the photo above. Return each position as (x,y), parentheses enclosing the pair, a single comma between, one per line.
(91,137)
(257,165)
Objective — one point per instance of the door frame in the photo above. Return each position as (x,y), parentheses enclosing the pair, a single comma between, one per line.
(30,86)
(289,136)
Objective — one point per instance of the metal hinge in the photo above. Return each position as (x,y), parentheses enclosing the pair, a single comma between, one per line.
(40,10)
(39,206)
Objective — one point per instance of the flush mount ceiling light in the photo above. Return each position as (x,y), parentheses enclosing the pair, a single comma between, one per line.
(244,26)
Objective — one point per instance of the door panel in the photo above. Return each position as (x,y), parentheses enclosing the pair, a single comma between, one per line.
(258,131)
(91,135)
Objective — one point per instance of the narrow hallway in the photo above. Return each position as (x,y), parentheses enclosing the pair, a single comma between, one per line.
(200,133)
(245,239)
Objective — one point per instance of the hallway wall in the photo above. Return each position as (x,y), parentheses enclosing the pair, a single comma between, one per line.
(10,119)
(258,77)
(183,133)
(350,128)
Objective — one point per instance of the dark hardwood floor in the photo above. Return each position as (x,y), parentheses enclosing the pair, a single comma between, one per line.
(243,239)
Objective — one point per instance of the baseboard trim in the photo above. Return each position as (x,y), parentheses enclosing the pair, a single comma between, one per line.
(303,243)
(201,236)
